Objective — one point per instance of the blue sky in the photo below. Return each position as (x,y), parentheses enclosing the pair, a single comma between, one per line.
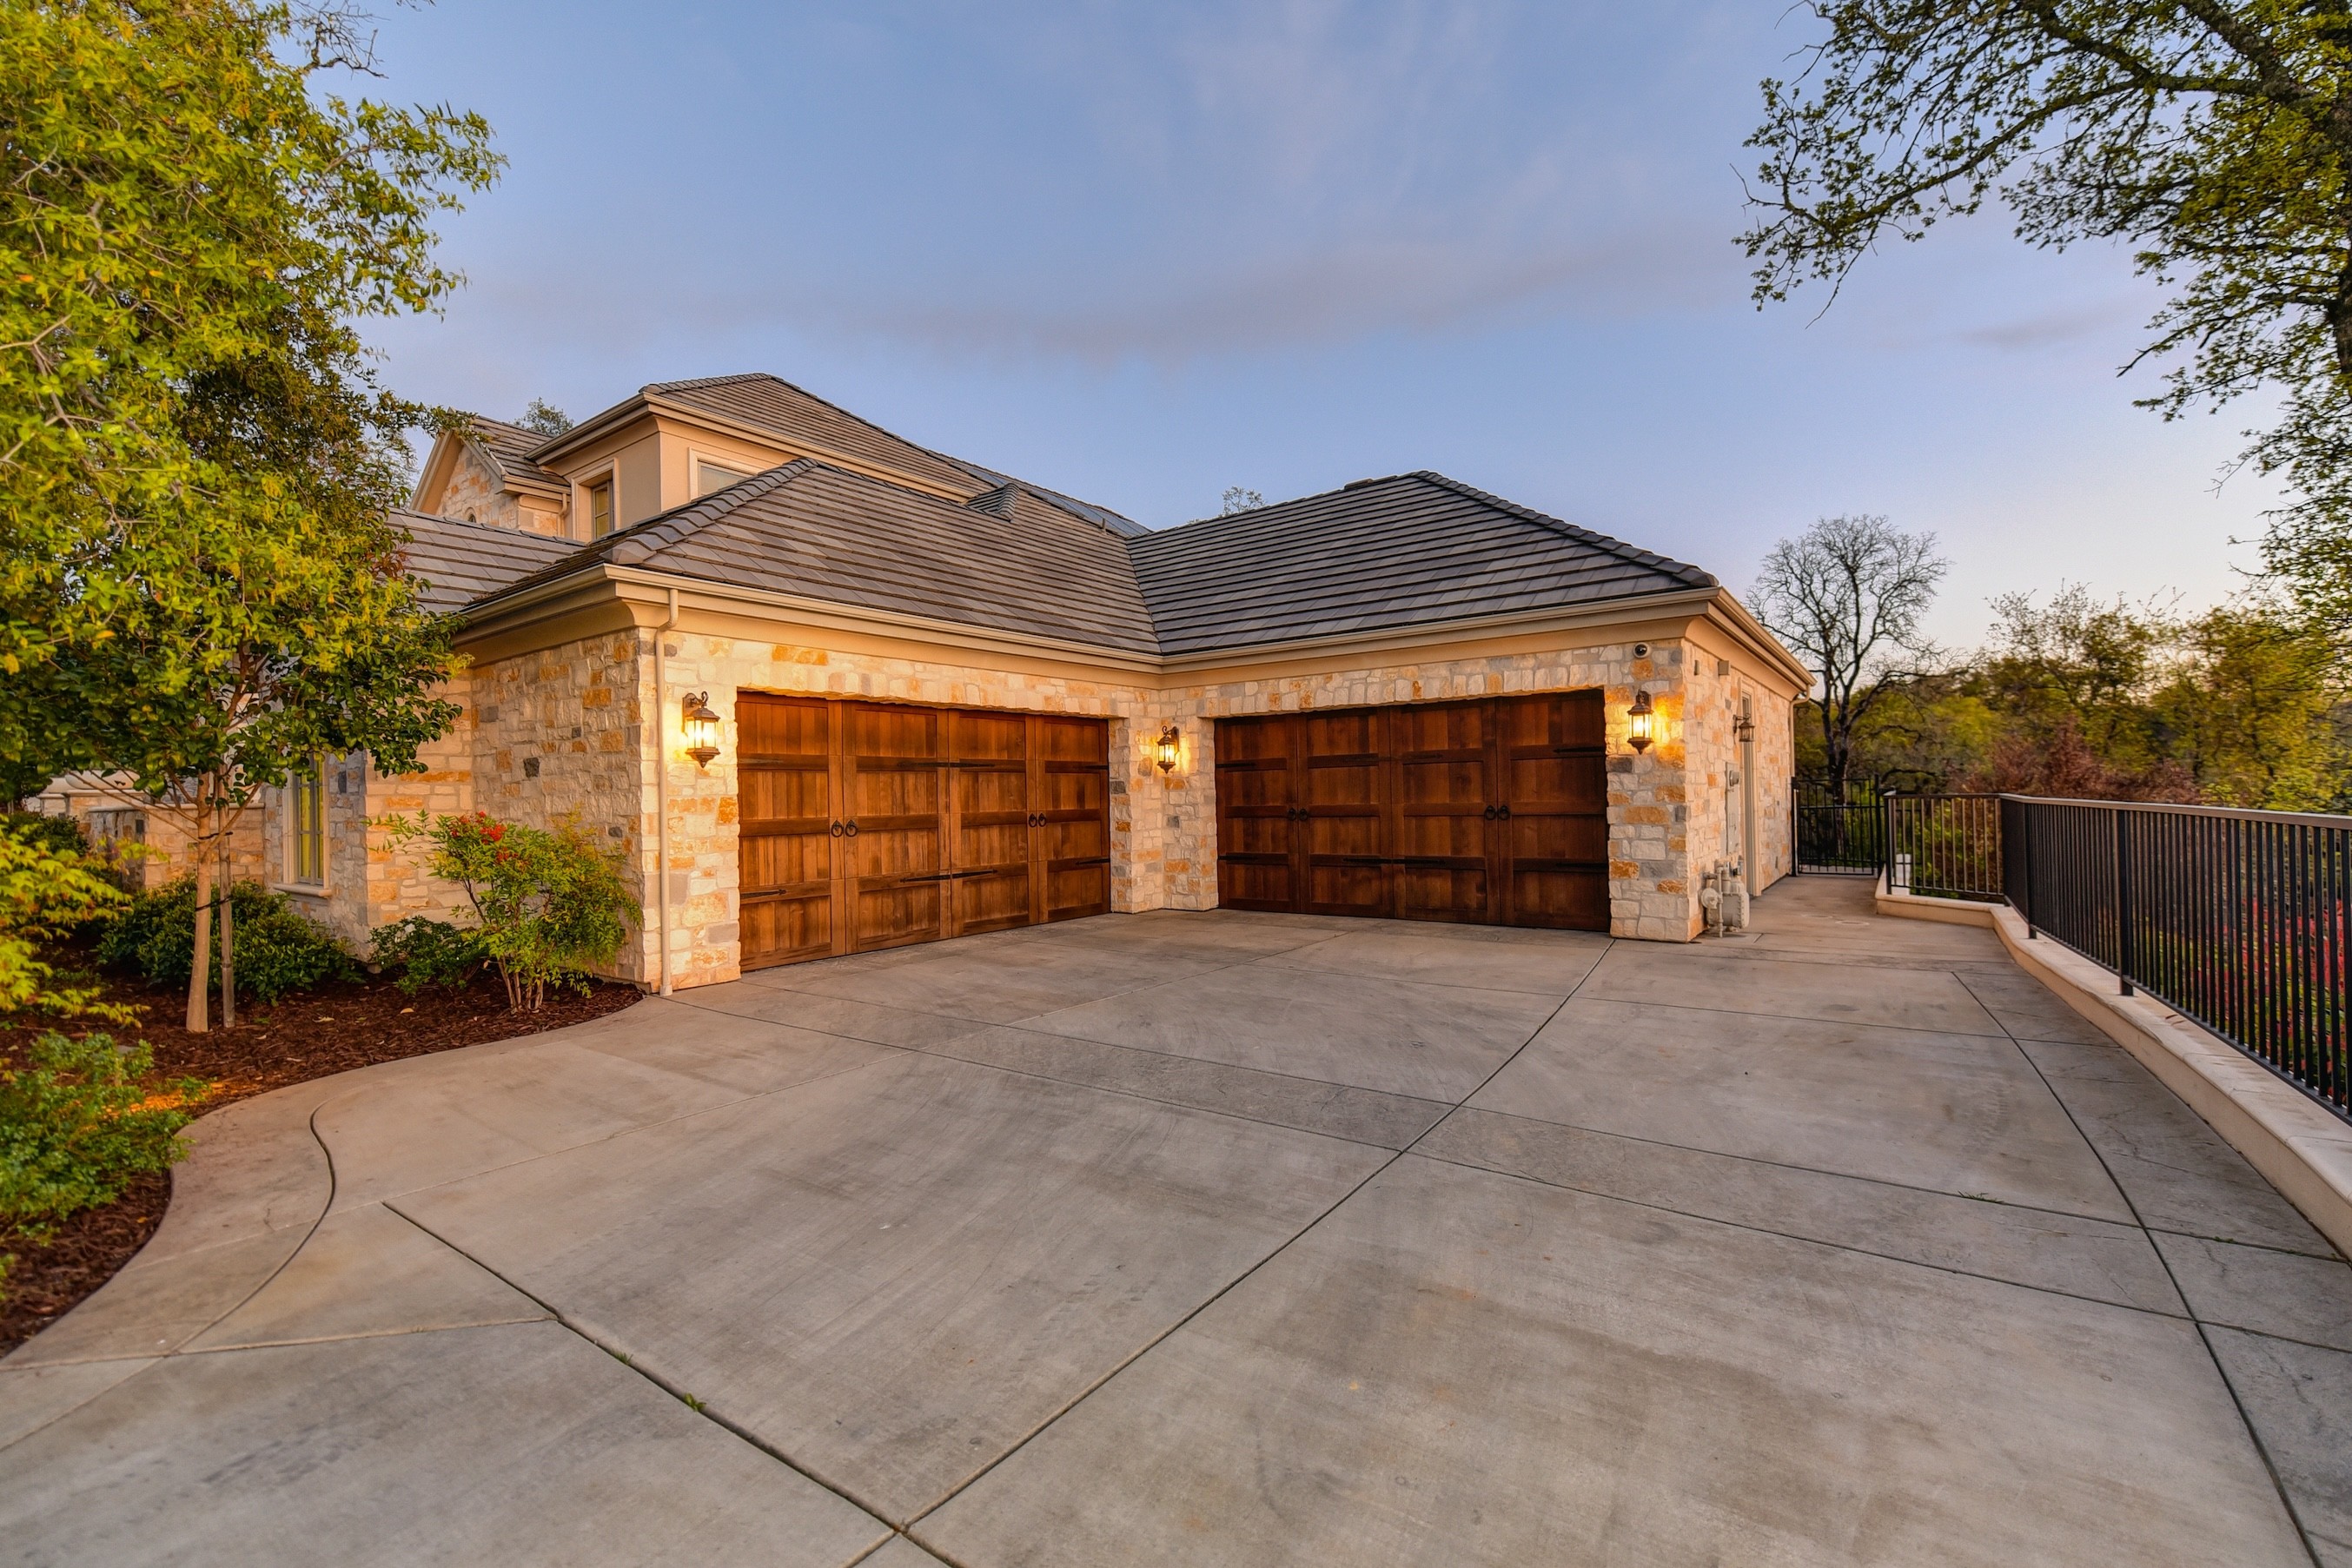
(1141,253)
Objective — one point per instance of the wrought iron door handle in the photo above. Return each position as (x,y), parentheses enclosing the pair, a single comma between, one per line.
(833,828)
(850,830)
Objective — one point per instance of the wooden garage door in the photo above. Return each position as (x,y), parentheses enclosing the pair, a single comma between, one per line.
(868,825)
(1493,811)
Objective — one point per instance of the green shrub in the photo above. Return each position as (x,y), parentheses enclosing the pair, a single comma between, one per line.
(278,948)
(46,894)
(75,1124)
(547,904)
(59,835)
(428,952)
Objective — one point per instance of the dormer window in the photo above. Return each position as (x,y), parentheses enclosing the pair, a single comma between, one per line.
(600,508)
(709,477)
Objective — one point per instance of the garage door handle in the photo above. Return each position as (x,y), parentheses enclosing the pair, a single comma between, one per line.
(848,829)
(833,828)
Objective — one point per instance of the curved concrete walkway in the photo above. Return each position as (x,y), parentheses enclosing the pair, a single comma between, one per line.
(1225,1238)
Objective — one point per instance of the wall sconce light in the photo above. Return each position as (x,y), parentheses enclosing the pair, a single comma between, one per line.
(1640,723)
(1164,749)
(1745,730)
(701,729)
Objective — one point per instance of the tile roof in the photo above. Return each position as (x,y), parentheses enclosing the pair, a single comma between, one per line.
(769,402)
(1412,549)
(509,447)
(462,562)
(816,531)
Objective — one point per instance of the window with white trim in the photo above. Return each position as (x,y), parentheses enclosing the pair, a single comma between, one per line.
(600,508)
(709,477)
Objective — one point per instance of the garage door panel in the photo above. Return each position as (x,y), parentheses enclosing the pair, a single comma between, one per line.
(992,900)
(1437,892)
(1487,810)
(1251,790)
(1355,734)
(1583,840)
(786,798)
(785,929)
(1073,891)
(1082,740)
(1254,740)
(1251,882)
(1574,900)
(873,824)
(1345,887)
(1454,831)
(892,914)
(1259,836)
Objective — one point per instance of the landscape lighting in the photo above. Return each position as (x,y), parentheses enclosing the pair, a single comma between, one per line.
(701,729)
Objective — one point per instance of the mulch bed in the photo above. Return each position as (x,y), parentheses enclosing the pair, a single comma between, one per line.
(317,1033)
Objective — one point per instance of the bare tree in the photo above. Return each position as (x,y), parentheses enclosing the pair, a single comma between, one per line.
(1847,595)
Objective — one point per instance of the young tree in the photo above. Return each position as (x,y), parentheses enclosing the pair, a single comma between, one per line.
(1847,596)
(2213,138)
(544,417)
(1237,499)
(197,582)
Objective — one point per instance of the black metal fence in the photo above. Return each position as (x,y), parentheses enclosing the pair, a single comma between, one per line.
(1839,832)
(2237,919)
(1944,846)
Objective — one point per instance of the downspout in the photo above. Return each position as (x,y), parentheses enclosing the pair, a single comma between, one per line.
(661,798)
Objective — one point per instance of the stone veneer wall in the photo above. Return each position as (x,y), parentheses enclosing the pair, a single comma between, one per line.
(473,495)
(1163,829)
(563,733)
(370,882)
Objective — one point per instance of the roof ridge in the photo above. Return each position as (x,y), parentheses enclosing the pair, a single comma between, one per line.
(691,382)
(1634,553)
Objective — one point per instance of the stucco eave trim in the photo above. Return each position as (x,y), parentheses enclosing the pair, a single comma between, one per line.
(553,600)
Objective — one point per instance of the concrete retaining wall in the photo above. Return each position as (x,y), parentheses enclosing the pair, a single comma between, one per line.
(2302,1149)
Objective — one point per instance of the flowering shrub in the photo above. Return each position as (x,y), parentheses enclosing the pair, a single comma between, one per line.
(548,904)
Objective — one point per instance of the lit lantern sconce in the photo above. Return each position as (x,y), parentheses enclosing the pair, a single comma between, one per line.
(1164,751)
(1641,721)
(701,729)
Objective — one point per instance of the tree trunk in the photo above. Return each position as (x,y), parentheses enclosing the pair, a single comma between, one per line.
(227,933)
(200,976)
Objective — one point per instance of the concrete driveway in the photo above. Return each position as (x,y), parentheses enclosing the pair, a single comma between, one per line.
(1225,1238)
